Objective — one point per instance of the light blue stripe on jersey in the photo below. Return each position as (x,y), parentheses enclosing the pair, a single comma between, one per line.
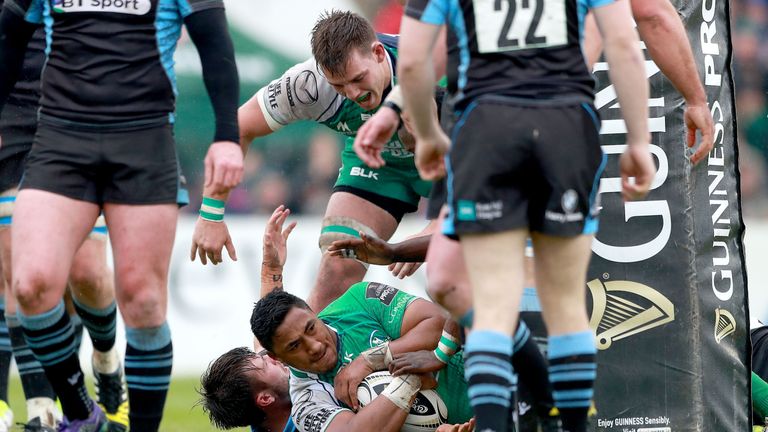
(6,199)
(168,21)
(435,13)
(36,12)
(456,21)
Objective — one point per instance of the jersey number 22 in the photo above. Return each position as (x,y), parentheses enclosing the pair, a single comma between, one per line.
(511,25)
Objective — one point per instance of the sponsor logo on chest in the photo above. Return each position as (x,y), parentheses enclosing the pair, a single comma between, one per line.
(130,7)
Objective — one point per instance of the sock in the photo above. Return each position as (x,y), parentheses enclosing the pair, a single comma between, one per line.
(6,353)
(531,367)
(490,378)
(572,372)
(77,328)
(148,361)
(52,340)
(759,397)
(101,324)
(33,379)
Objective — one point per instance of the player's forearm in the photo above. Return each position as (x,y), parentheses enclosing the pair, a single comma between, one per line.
(208,31)
(593,42)
(271,279)
(422,326)
(628,77)
(417,76)
(15,33)
(381,412)
(412,250)
(662,30)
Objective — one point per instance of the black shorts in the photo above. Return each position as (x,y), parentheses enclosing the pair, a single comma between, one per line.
(515,167)
(436,199)
(104,166)
(11,170)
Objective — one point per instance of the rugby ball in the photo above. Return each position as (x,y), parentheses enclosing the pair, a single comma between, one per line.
(427,412)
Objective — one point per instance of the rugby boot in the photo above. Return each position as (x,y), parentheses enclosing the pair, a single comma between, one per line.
(36,425)
(96,422)
(112,396)
(6,417)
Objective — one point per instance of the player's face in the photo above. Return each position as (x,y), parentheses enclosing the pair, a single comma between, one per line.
(365,78)
(304,342)
(271,372)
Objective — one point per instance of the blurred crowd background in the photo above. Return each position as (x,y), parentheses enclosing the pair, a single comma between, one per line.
(299,164)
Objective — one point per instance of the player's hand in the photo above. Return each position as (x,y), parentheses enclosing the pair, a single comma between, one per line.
(402,270)
(208,240)
(430,152)
(349,377)
(374,134)
(698,116)
(428,381)
(371,250)
(275,249)
(223,167)
(636,161)
(417,362)
(463,427)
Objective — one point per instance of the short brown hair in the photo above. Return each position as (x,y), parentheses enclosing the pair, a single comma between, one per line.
(335,35)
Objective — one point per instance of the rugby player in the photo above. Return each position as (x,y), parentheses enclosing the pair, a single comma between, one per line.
(90,279)
(362,331)
(104,142)
(342,85)
(514,175)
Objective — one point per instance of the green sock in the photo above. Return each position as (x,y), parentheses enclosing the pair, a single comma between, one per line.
(759,396)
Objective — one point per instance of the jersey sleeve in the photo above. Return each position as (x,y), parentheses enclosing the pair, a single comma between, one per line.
(428,11)
(188,7)
(383,303)
(302,93)
(31,10)
(314,406)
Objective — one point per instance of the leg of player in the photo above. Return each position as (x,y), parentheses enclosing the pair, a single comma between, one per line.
(337,274)
(47,231)
(447,280)
(495,267)
(561,274)
(92,286)
(41,399)
(6,354)
(142,240)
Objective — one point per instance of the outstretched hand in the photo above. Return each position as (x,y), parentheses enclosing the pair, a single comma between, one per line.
(371,250)
(275,248)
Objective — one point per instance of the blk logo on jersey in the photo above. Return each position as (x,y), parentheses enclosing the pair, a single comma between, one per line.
(130,7)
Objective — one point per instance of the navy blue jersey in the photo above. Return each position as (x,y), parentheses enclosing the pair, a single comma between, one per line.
(19,117)
(110,61)
(526,49)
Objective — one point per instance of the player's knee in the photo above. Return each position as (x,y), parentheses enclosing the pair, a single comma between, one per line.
(31,286)
(88,276)
(142,306)
(439,285)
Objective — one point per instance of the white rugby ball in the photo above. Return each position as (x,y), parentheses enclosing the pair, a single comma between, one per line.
(427,412)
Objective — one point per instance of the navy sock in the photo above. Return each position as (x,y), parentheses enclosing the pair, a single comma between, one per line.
(101,324)
(572,372)
(51,337)
(148,362)
(6,353)
(531,368)
(77,328)
(33,379)
(490,378)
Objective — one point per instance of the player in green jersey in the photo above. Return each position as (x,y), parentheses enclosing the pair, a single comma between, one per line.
(341,87)
(357,334)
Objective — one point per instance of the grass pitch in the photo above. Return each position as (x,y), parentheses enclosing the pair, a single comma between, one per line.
(181,414)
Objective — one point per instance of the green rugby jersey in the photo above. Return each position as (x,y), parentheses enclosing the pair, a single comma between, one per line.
(367,315)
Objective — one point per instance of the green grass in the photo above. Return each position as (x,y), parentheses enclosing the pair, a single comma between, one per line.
(181,414)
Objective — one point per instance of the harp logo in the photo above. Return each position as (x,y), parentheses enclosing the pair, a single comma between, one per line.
(621,309)
(725,324)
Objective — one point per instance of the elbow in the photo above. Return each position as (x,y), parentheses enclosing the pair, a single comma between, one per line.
(651,15)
